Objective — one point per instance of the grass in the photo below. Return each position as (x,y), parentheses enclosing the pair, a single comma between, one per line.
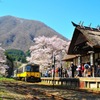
(6,79)
(8,89)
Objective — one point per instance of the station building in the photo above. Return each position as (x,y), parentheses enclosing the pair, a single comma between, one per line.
(85,47)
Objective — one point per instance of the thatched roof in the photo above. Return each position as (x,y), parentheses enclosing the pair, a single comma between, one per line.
(84,39)
(92,36)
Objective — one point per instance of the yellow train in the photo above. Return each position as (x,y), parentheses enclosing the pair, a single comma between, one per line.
(28,72)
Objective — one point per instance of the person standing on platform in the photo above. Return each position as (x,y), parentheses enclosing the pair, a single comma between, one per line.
(86,68)
(72,68)
(98,71)
(79,71)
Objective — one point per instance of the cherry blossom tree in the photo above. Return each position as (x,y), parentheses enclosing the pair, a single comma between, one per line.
(45,48)
(3,67)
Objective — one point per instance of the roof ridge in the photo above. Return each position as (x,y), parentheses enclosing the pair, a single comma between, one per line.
(86,27)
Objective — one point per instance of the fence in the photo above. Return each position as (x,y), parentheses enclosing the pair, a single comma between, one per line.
(83,82)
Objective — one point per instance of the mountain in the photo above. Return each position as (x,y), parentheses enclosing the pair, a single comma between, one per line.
(18,33)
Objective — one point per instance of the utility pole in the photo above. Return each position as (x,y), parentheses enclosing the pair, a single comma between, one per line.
(54,70)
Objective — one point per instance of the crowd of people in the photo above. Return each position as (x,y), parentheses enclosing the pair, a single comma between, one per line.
(82,70)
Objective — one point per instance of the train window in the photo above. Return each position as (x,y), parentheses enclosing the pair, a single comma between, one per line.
(28,68)
(20,70)
(35,68)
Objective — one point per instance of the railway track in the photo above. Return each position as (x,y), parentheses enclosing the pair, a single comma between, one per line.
(48,96)
(34,91)
(29,91)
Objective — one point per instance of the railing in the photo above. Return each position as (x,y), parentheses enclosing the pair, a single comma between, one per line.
(70,82)
(83,82)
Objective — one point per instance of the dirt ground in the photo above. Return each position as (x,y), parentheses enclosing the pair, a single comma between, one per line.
(18,90)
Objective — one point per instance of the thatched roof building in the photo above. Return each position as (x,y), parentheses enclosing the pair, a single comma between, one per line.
(85,44)
(84,39)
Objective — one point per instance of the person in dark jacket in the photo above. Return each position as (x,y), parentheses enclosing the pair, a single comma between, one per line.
(72,68)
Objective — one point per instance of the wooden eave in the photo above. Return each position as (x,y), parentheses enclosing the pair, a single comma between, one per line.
(69,57)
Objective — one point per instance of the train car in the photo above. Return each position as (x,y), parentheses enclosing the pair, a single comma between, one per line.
(28,72)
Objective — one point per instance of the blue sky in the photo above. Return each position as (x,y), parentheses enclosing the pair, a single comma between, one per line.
(57,14)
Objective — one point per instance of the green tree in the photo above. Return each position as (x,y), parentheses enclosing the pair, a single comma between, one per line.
(28,53)
(16,55)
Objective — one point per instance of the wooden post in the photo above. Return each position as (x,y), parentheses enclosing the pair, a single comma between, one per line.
(92,62)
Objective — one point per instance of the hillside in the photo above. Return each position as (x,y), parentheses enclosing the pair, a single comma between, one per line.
(19,33)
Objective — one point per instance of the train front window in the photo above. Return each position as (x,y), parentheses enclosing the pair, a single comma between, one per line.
(28,68)
(35,68)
